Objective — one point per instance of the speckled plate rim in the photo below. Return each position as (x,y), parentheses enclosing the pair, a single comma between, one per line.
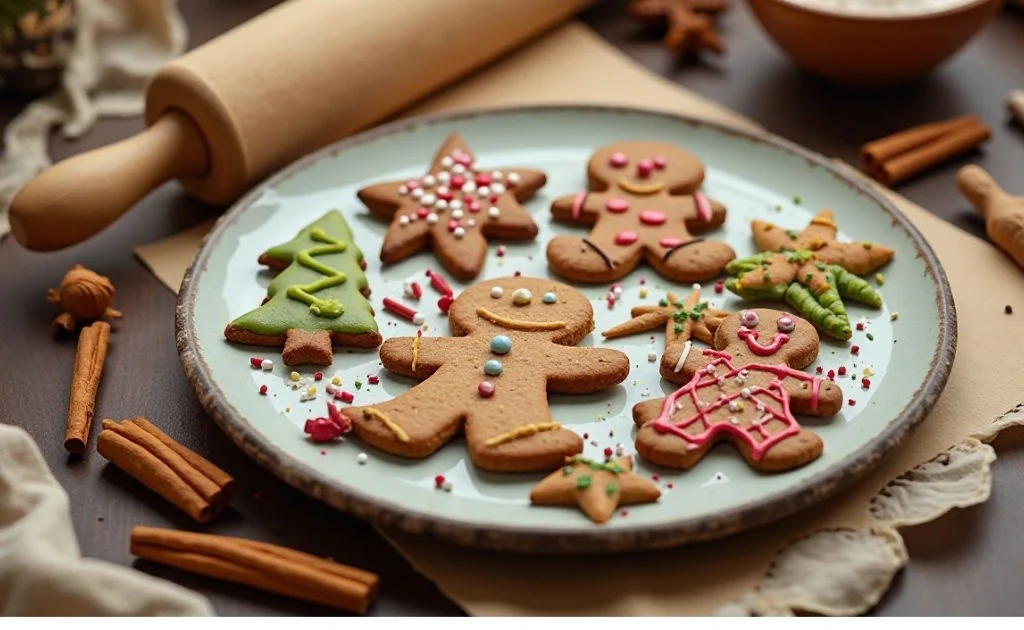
(387,514)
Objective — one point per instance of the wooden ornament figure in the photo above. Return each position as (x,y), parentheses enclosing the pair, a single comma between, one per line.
(83,295)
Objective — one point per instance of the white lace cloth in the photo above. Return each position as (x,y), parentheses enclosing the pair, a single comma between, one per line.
(120,44)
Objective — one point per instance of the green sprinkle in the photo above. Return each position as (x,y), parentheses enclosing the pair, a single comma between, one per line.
(567,471)
(866,244)
(582,482)
(611,489)
(679,316)
(662,302)
(797,200)
(880,279)
(594,465)
(679,305)
(820,266)
(767,276)
(701,307)
(614,468)
(792,234)
(359,384)
(808,276)
(870,337)
(695,315)
(678,328)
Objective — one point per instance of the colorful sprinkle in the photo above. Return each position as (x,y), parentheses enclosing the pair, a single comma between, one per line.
(855,350)
(373,379)
(652,356)
(319,376)
(831,374)
(860,326)
(399,309)
(501,344)
(617,205)
(439,481)
(439,283)
(719,287)
(497,292)
(267,365)
(444,303)
(294,376)
(842,370)
(550,298)
(608,452)
(894,316)
(618,160)
(522,297)
(851,402)
(345,397)
(362,458)
(880,278)
(485,389)
(501,251)
(255,363)
(336,380)
(493,367)
(870,337)
(865,383)
(263,390)
(626,237)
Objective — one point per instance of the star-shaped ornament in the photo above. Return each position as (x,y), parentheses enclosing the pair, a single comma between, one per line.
(454,209)
(598,488)
(684,320)
(690,23)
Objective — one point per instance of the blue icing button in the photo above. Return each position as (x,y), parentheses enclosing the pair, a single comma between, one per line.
(550,298)
(492,367)
(501,344)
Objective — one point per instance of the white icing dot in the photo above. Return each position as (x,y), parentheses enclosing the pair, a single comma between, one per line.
(446,486)
(652,356)
(513,178)
(417,319)
(710,369)
(330,387)
(493,212)
(497,189)
(441,204)
(617,290)
(457,214)
(496,175)
(442,190)
(444,177)
(361,458)
(497,292)
(403,190)
(522,297)
(469,187)
(459,232)
(417,193)
(745,392)
(696,286)
(428,199)
(429,181)
(733,420)
(447,161)
(483,191)
(455,204)
(403,220)
(471,223)
(267,365)
(431,218)
(458,168)
(734,406)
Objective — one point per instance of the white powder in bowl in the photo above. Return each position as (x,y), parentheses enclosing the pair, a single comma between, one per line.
(882,8)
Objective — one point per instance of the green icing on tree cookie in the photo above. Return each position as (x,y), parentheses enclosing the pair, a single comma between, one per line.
(320,289)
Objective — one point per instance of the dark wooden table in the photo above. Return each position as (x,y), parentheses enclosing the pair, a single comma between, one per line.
(967,563)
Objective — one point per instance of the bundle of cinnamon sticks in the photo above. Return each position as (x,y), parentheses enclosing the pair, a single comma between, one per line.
(899,157)
(259,565)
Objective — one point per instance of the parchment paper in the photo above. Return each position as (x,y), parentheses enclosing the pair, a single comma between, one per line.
(837,558)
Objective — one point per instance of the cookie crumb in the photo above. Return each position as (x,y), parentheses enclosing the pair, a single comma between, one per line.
(894,316)
(1008,309)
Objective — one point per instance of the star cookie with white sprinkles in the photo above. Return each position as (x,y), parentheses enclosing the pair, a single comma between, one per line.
(454,209)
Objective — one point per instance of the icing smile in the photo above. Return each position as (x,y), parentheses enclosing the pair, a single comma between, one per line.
(517,324)
(750,336)
(641,189)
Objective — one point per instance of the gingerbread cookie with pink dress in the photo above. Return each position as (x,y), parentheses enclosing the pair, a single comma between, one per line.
(644,203)
(744,390)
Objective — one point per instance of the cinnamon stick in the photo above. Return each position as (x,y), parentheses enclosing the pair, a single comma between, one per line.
(85,381)
(183,477)
(259,565)
(903,155)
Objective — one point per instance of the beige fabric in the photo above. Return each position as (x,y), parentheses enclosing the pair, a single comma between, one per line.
(41,569)
(835,558)
(120,43)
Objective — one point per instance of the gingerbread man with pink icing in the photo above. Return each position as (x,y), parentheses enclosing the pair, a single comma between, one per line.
(644,202)
(745,391)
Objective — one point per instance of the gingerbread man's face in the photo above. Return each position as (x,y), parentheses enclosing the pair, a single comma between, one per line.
(768,336)
(645,168)
(532,305)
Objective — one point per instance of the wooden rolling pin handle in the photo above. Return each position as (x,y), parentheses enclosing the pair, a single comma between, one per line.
(979,188)
(79,196)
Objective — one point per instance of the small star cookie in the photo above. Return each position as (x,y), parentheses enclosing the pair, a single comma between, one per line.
(598,488)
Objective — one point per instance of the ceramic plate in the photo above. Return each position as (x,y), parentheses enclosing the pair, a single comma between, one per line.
(907,359)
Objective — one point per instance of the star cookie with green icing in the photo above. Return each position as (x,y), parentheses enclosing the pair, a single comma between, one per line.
(318,299)
(454,209)
(684,320)
(811,271)
(598,488)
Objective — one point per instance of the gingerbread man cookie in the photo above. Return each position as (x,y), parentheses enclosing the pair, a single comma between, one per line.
(745,391)
(644,201)
(454,209)
(512,344)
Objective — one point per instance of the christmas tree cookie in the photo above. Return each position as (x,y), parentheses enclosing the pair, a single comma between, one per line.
(318,299)
(811,271)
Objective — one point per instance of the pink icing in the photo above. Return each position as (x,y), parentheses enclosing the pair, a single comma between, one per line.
(750,336)
(577,204)
(776,391)
(617,205)
(464,159)
(660,162)
(618,160)
(703,207)
(670,241)
(412,184)
(644,168)
(626,237)
(652,217)
(473,206)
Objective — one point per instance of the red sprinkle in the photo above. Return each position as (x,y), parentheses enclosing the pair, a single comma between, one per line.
(669,485)
(851,402)
(865,383)
(611,302)
(422,212)
(643,280)
(452,224)
(263,390)
(345,397)
(654,476)
(842,370)
(438,282)
(445,303)
(415,290)
(586,436)
(855,349)
(608,451)
(322,430)
(482,179)
(319,376)
(399,309)
(485,389)
(624,513)
(818,370)
(501,251)
(338,418)
(458,181)
(438,481)
(256,362)
(494,198)
(373,379)
(860,325)
(831,374)
(719,287)
(517,273)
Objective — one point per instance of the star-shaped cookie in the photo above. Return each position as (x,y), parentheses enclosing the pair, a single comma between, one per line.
(684,320)
(454,208)
(690,24)
(598,488)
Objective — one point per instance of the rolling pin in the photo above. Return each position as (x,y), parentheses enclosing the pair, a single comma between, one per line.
(1003,213)
(231,112)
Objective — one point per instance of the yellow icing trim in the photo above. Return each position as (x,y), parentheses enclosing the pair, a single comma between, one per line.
(518,324)
(521,432)
(399,432)
(415,351)
(825,222)
(638,189)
